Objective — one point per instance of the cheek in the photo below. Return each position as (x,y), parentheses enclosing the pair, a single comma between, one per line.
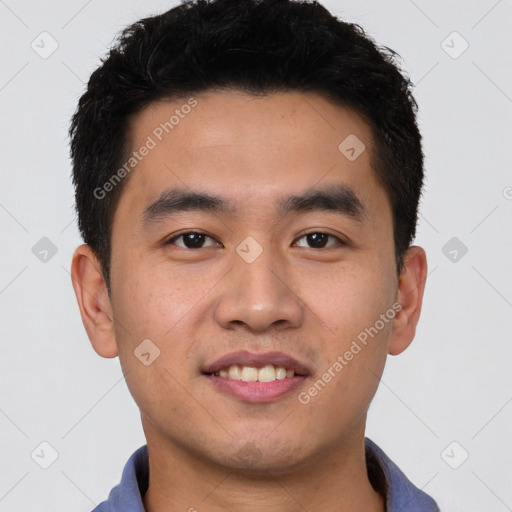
(153,314)
(353,356)
(346,303)
(354,339)
(153,300)
(162,305)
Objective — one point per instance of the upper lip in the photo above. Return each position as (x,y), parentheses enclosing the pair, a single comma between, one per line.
(257,360)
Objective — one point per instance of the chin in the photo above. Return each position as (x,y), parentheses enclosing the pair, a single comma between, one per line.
(264,455)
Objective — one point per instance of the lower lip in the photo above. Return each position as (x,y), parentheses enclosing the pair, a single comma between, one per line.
(256,392)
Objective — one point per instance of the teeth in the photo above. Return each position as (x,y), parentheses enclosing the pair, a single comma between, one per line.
(234,372)
(249,374)
(267,373)
(281,373)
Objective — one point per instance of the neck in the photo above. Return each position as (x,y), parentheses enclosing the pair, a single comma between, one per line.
(181,481)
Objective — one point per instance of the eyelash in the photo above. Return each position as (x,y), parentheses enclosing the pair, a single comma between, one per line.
(176,237)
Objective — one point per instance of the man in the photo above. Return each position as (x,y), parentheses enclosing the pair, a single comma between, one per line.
(247,181)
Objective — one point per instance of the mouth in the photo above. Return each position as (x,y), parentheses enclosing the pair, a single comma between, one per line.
(267,373)
(256,377)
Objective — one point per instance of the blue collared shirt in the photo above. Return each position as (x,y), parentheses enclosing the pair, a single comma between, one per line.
(401,494)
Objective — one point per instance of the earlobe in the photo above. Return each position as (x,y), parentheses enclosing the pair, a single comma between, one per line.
(410,296)
(93,301)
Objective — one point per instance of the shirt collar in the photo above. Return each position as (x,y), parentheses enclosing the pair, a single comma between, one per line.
(401,494)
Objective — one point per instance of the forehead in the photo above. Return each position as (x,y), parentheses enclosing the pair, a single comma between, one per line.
(250,147)
(216,118)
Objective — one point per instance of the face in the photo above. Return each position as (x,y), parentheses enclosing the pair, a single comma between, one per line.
(283,258)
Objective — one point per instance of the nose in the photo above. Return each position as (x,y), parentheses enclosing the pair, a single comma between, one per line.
(260,296)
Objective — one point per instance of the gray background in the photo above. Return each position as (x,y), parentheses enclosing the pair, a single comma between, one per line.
(453,384)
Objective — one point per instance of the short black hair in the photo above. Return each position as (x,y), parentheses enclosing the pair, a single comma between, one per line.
(254,46)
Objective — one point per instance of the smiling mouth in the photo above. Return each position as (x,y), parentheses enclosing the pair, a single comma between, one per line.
(256,377)
(267,373)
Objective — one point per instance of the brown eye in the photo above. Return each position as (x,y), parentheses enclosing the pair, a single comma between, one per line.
(317,240)
(192,240)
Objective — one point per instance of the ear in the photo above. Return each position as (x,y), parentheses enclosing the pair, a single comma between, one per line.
(411,286)
(93,300)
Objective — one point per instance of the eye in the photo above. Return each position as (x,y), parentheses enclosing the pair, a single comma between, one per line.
(192,240)
(318,240)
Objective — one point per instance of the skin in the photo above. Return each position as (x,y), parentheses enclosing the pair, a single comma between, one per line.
(197,305)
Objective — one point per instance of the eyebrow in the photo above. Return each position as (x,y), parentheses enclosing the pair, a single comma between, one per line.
(339,199)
